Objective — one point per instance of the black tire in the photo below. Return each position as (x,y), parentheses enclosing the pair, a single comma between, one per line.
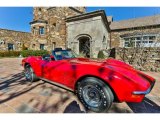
(29,74)
(94,94)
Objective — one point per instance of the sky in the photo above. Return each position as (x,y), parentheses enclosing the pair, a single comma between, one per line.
(18,18)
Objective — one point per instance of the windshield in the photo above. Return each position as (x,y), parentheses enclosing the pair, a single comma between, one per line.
(63,54)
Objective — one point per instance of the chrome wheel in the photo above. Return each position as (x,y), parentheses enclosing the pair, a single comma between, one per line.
(28,73)
(92,96)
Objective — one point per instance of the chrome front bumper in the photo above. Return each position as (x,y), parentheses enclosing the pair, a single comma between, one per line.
(144,92)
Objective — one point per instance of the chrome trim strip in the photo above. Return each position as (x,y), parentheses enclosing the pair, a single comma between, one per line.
(57,84)
(144,92)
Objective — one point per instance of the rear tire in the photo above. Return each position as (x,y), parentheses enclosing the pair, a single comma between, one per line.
(29,74)
(94,94)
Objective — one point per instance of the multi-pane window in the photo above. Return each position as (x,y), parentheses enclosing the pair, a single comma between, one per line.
(41,31)
(41,46)
(140,41)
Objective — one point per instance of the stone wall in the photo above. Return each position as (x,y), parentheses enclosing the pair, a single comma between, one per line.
(147,59)
(16,38)
(53,21)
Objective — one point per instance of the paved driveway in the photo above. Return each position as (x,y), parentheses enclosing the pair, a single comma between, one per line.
(19,96)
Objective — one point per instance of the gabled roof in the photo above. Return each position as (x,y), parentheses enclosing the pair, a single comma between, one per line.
(90,15)
(76,10)
(135,23)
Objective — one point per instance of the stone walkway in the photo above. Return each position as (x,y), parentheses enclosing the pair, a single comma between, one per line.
(19,96)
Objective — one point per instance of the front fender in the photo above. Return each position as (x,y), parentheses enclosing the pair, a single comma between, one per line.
(120,84)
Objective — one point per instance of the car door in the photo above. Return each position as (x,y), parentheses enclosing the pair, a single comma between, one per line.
(58,71)
(37,65)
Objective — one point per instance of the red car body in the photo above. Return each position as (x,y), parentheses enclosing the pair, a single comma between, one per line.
(126,83)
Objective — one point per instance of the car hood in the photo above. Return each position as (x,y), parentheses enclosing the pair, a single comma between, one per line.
(109,62)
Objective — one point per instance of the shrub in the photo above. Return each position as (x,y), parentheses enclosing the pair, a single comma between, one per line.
(9,53)
(101,55)
(26,53)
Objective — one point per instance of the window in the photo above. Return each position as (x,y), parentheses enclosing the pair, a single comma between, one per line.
(150,41)
(104,39)
(41,31)
(139,41)
(54,24)
(129,42)
(10,46)
(53,45)
(34,30)
(41,46)
(33,45)
(152,37)
(145,38)
(40,9)
(138,38)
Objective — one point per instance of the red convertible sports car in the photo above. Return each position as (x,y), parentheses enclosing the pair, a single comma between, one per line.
(96,83)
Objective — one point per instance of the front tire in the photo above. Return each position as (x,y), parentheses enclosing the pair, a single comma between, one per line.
(29,74)
(95,94)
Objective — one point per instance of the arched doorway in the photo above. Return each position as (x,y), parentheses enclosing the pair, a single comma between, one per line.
(84,46)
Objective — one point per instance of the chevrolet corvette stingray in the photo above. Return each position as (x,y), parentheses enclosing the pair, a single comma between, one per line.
(97,83)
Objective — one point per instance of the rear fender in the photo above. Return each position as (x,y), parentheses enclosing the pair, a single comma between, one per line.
(31,62)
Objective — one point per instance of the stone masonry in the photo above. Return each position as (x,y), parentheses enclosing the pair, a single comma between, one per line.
(16,38)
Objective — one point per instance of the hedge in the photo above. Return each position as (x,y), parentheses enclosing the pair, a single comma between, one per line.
(9,53)
(24,53)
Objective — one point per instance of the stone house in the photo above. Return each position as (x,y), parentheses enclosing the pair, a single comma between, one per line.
(69,27)
(88,33)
